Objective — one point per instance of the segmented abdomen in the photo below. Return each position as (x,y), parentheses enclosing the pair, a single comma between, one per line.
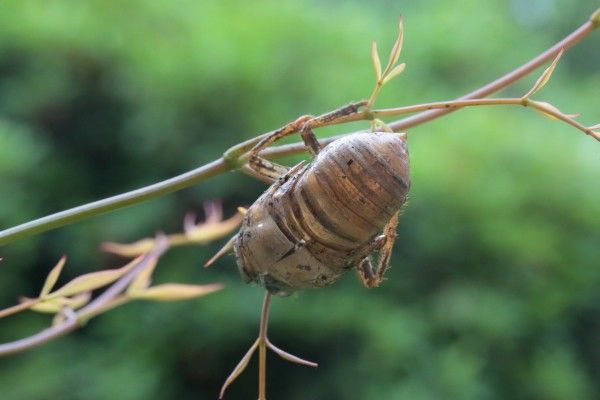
(353,188)
(307,230)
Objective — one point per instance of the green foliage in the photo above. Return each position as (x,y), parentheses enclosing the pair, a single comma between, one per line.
(493,291)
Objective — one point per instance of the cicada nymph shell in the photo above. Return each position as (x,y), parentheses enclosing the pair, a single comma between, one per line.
(321,219)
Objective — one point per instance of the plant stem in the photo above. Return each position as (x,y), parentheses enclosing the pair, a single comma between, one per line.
(17,308)
(569,41)
(262,348)
(101,303)
(114,203)
(456,104)
(222,165)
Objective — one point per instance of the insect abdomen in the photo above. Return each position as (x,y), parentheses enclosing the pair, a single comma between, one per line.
(353,187)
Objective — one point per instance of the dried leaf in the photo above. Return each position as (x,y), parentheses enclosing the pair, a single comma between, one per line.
(94,280)
(53,276)
(176,291)
(204,233)
(213,211)
(129,250)
(543,79)
(394,73)
(142,281)
(376,61)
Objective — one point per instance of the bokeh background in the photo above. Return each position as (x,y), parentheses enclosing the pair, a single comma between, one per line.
(494,286)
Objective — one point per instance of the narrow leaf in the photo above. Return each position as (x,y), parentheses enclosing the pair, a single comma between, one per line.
(129,250)
(376,61)
(80,300)
(56,304)
(204,233)
(545,76)
(549,107)
(94,280)
(50,306)
(394,73)
(176,291)
(142,281)
(397,49)
(53,276)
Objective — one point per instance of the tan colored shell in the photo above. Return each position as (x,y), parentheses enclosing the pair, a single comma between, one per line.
(313,224)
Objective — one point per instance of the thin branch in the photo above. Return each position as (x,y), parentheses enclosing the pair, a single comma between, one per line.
(262,348)
(224,164)
(457,104)
(114,203)
(24,305)
(569,41)
(106,300)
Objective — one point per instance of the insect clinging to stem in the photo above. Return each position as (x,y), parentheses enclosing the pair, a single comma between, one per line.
(320,219)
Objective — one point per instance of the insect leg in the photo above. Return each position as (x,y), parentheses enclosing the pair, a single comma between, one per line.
(333,117)
(268,169)
(366,273)
(386,250)
(309,138)
(373,276)
(265,170)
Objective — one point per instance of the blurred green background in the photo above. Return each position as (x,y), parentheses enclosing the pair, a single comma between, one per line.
(494,286)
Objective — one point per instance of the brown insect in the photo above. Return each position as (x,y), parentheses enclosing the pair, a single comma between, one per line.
(318,220)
